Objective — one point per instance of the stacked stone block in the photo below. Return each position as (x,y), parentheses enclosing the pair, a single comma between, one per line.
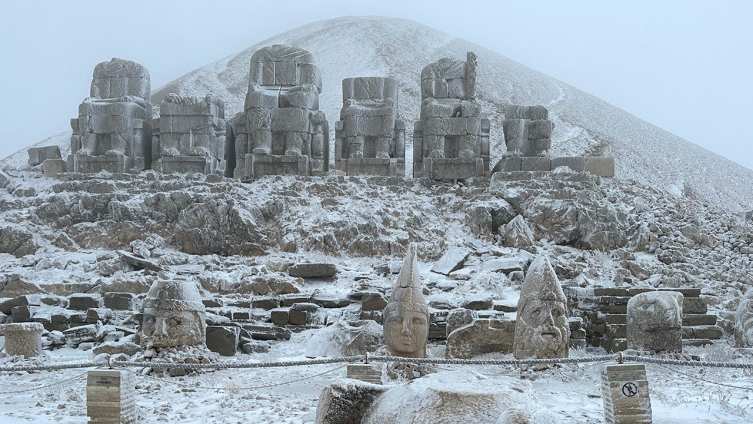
(604,314)
(625,394)
(451,139)
(370,137)
(191,135)
(113,131)
(528,130)
(281,131)
(110,397)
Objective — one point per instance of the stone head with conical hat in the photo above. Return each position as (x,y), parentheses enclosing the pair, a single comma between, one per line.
(173,315)
(406,316)
(541,328)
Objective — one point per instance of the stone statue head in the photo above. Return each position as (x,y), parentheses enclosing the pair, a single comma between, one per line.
(541,328)
(118,78)
(744,321)
(654,321)
(173,315)
(406,316)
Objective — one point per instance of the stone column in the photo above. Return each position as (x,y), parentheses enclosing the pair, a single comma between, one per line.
(110,397)
(625,394)
(23,339)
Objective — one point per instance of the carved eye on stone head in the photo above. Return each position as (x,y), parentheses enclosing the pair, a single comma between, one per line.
(173,322)
(419,321)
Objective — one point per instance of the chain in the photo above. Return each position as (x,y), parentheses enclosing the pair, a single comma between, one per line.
(232,365)
(602,358)
(688,363)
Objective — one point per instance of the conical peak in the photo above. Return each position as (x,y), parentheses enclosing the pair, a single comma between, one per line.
(541,282)
(408,291)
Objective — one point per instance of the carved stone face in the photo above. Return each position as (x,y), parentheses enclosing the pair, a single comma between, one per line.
(542,330)
(654,321)
(406,331)
(161,328)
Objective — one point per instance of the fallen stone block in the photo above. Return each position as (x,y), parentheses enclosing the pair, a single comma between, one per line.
(119,301)
(601,166)
(222,340)
(481,336)
(37,155)
(452,260)
(84,301)
(312,270)
(51,168)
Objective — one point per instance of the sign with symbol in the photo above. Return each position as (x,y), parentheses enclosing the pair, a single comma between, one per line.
(629,389)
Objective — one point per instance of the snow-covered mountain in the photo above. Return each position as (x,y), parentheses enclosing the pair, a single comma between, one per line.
(381,46)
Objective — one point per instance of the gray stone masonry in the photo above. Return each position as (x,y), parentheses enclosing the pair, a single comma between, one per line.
(528,130)
(51,168)
(625,394)
(281,130)
(113,130)
(119,301)
(222,340)
(312,270)
(37,155)
(451,139)
(23,339)
(84,301)
(370,373)
(370,137)
(481,336)
(191,135)
(596,165)
(110,397)
(603,311)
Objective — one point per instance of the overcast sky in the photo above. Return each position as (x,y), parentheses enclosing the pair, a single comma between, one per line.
(684,66)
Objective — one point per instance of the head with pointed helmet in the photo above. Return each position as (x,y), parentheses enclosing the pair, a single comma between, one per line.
(173,315)
(406,316)
(541,328)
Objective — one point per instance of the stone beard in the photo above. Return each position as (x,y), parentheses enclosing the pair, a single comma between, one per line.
(542,330)
(162,328)
(744,321)
(406,330)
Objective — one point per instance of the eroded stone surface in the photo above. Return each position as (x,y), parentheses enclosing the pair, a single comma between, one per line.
(654,321)
(173,315)
(406,316)
(744,321)
(23,339)
(481,336)
(541,329)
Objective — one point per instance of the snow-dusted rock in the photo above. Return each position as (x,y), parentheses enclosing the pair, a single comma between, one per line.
(346,401)
(654,321)
(345,338)
(452,260)
(744,321)
(481,336)
(517,233)
(116,348)
(17,241)
(23,339)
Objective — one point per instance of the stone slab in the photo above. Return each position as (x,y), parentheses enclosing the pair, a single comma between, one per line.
(452,260)
(453,168)
(374,166)
(262,165)
(312,270)
(601,166)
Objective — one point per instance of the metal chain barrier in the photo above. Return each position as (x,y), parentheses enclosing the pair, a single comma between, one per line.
(650,360)
(438,361)
(53,367)
(231,365)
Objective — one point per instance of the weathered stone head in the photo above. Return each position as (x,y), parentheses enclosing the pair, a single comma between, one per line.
(406,316)
(654,321)
(173,315)
(118,78)
(744,321)
(541,328)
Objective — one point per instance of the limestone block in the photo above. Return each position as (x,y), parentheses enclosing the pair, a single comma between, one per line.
(526,112)
(262,99)
(346,401)
(375,166)
(310,74)
(517,233)
(24,339)
(373,302)
(265,303)
(481,336)
(471,63)
(119,301)
(454,168)
(290,119)
(51,168)
(81,334)
(298,317)
(431,108)
(625,394)
(370,373)
(576,164)
(456,88)
(601,166)
(23,313)
(6,307)
(88,109)
(118,78)
(117,348)
(540,129)
(654,321)
(368,88)
(84,301)
(268,73)
(280,316)
(222,340)
(4,179)
(312,270)
(536,163)
(110,397)
(304,99)
(37,155)
(478,302)
(286,73)
(508,164)
(452,260)
(445,126)
(744,321)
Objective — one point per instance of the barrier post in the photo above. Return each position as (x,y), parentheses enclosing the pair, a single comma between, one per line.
(110,397)
(625,394)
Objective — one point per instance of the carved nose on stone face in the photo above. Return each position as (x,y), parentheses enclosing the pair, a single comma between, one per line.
(406,327)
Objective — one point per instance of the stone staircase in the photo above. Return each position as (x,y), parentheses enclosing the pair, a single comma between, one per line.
(604,314)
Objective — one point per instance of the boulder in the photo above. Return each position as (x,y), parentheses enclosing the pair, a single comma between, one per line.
(137,262)
(17,241)
(481,336)
(346,401)
(84,301)
(517,233)
(345,338)
(373,302)
(37,155)
(119,301)
(457,318)
(222,340)
(6,307)
(77,335)
(478,302)
(4,179)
